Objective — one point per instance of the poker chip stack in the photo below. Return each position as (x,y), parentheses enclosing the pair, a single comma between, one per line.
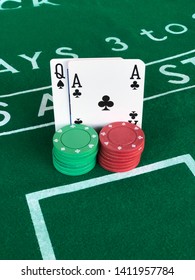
(121,146)
(75,149)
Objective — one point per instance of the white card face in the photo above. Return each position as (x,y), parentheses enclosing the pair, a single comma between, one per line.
(105,91)
(60,90)
(60,93)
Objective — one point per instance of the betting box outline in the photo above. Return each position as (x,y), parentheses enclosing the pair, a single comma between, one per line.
(33,199)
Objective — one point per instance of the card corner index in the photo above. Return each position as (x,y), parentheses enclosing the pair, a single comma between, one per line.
(59,82)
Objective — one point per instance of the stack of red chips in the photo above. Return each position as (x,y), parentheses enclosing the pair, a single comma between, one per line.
(121,146)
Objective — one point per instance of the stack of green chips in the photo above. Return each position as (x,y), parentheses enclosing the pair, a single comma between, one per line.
(75,148)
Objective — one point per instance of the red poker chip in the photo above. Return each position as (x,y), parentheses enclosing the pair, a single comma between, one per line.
(114,157)
(116,160)
(118,169)
(116,163)
(122,137)
(119,155)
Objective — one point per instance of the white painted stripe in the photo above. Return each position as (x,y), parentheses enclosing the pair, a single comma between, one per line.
(114,177)
(24,91)
(40,227)
(52,123)
(45,245)
(26,129)
(48,87)
(167,93)
(169,58)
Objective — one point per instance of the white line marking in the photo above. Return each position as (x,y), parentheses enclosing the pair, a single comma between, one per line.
(169,58)
(26,129)
(24,91)
(52,123)
(45,245)
(47,87)
(168,92)
(37,217)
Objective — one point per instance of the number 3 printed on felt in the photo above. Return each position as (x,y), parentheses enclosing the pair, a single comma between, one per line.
(117,41)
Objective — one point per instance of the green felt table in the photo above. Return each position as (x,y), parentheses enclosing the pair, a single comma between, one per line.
(147,213)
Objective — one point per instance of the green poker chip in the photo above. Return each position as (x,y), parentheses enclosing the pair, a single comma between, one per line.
(64,156)
(74,172)
(75,149)
(75,162)
(76,140)
(75,168)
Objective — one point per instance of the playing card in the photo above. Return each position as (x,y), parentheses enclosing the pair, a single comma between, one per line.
(60,93)
(60,89)
(105,91)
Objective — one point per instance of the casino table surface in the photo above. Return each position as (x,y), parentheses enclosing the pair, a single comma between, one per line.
(146,213)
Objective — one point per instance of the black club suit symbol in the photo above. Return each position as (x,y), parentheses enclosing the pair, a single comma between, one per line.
(105,103)
(134,85)
(133,115)
(78,121)
(77,93)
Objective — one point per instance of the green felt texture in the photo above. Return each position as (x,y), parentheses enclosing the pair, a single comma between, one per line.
(125,220)
(149,216)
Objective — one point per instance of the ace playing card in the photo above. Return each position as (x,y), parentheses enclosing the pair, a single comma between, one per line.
(104,91)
